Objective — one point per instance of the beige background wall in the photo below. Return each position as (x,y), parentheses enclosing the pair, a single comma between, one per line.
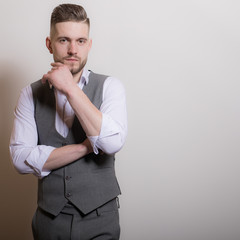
(179,62)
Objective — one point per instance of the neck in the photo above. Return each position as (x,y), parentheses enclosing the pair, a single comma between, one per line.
(77,76)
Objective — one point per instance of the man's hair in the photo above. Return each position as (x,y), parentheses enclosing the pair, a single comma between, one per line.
(69,12)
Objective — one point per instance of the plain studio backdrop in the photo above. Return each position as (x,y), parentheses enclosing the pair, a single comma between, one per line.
(179,170)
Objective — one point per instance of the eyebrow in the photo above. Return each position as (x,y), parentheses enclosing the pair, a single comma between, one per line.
(63,37)
(82,38)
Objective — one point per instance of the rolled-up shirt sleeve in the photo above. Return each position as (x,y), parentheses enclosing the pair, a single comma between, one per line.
(27,156)
(114,118)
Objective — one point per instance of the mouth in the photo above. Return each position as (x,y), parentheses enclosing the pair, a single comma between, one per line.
(71,59)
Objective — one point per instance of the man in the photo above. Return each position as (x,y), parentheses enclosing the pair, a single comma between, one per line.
(67,128)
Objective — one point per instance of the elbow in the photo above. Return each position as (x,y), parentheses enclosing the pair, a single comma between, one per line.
(18,167)
(110,144)
(112,147)
(20,171)
(18,164)
(112,151)
(14,162)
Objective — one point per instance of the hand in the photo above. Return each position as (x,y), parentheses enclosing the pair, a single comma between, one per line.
(60,77)
(87,143)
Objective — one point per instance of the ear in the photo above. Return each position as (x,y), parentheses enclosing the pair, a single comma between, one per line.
(89,44)
(48,45)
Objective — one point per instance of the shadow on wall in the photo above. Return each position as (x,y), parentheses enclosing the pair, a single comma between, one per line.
(18,192)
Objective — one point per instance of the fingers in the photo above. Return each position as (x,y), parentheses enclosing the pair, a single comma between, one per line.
(46,76)
(57,64)
(53,68)
(58,76)
(45,79)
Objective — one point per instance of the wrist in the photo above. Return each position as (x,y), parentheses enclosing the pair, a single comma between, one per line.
(88,146)
(82,149)
(71,90)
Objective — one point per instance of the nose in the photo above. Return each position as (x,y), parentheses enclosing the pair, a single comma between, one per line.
(72,48)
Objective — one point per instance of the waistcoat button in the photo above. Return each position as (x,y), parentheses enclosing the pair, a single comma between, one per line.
(67,178)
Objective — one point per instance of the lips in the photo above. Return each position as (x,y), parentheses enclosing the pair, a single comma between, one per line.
(71,59)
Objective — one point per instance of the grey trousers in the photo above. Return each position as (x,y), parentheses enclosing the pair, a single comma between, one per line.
(70,224)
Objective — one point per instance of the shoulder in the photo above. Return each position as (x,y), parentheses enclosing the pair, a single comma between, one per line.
(106,80)
(28,91)
(113,82)
(113,88)
(41,92)
(37,85)
(96,78)
(25,99)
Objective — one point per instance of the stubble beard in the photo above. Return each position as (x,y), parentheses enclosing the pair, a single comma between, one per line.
(77,70)
(72,69)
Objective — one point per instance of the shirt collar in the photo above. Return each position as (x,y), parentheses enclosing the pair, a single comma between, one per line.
(84,78)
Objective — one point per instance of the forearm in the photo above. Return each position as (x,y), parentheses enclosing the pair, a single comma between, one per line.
(67,154)
(88,115)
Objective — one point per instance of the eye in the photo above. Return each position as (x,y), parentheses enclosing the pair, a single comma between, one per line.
(62,40)
(82,41)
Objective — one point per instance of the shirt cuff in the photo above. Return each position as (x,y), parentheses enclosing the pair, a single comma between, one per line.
(108,128)
(37,158)
(93,141)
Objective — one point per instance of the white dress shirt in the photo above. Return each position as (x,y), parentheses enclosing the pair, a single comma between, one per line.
(29,157)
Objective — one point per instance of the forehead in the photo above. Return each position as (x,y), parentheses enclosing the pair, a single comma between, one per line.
(70,29)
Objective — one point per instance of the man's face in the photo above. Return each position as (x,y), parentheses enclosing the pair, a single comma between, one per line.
(70,44)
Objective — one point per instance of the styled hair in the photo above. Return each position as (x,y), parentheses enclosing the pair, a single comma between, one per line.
(69,12)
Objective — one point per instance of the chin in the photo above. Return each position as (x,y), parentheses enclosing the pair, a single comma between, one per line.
(75,71)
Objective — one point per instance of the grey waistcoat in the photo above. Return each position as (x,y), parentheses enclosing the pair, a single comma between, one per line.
(88,182)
